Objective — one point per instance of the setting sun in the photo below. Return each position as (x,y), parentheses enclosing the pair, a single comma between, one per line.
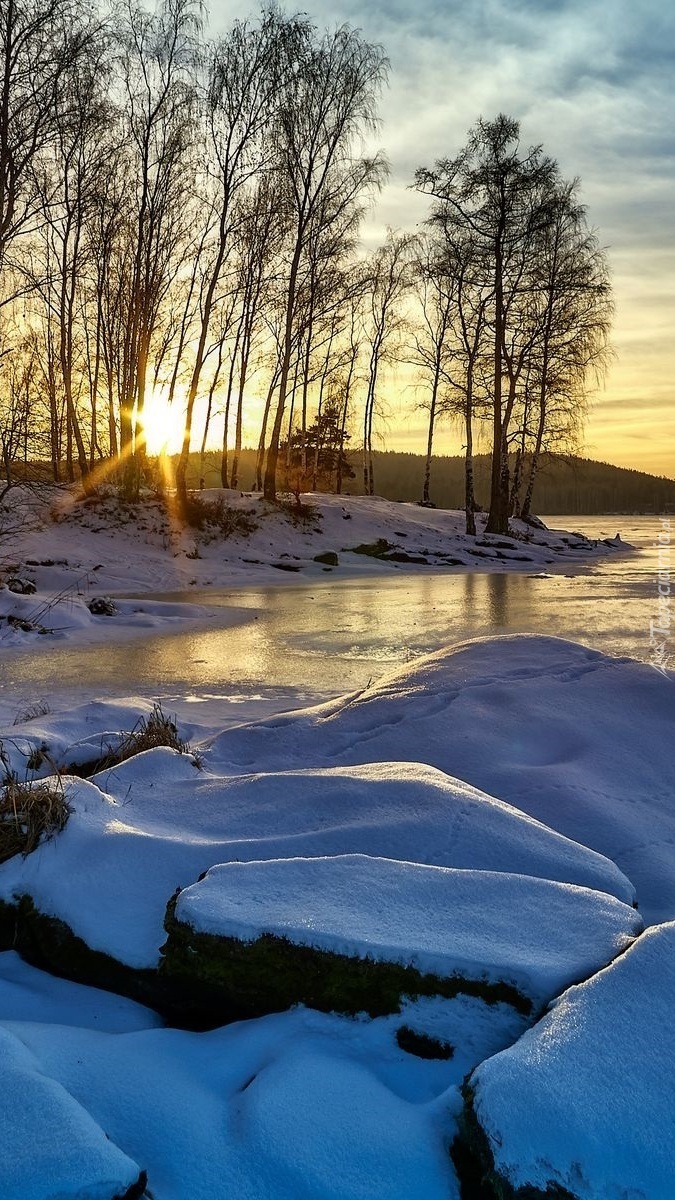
(162,423)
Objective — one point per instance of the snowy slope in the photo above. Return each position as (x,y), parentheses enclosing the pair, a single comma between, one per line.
(579,740)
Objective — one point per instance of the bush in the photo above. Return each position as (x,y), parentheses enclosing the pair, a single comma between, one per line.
(39,709)
(215,518)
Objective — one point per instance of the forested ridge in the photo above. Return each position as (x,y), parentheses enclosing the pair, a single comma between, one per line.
(575,485)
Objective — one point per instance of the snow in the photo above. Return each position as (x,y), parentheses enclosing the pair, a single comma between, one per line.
(77,550)
(293,1106)
(536,775)
(140,830)
(533,934)
(51,1148)
(586,1099)
(27,994)
(576,739)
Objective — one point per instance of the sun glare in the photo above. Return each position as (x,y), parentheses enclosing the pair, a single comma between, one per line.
(162,423)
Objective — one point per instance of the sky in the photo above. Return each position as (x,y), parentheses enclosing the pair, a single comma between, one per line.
(594,83)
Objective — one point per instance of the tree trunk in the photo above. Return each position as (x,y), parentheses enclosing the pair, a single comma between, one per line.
(497,519)
(469,497)
(270,480)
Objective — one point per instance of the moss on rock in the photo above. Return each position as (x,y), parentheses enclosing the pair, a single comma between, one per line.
(50,944)
(215,979)
(475,1165)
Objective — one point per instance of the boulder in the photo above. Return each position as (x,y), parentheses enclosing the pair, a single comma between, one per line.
(353,933)
(583,1105)
(51,1148)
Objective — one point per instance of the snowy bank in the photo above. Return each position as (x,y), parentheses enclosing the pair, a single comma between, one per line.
(576,739)
(83,552)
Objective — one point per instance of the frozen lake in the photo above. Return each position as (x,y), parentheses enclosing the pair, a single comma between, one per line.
(333,636)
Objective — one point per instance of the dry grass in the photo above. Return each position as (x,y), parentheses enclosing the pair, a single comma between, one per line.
(39,709)
(29,813)
(157,729)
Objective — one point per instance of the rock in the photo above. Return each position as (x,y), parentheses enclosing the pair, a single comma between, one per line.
(353,933)
(583,1105)
(22,587)
(51,1147)
(377,549)
(329,557)
(102,606)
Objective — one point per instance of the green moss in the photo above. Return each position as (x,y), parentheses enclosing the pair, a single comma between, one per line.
(50,944)
(8,925)
(376,549)
(421,1045)
(216,979)
(475,1165)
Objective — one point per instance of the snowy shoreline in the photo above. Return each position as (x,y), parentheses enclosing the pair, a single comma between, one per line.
(74,553)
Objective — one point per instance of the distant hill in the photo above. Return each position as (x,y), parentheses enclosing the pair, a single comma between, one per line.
(578,486)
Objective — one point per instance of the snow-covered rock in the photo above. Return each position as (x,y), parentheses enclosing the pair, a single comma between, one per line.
(511,937)
(295,1106)
(585,1100)
(159,823)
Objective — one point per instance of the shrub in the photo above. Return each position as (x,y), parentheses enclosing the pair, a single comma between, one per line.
(39,709)
(216,518)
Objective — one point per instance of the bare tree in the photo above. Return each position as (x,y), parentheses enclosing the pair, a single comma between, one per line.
(39,41)
(158,74)
(434,288)
(240,96)
(502,197)
(389,280)
(574,295)
(328,98)
(68,183)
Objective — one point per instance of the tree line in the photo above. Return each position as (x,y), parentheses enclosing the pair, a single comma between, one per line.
(181,213)
(565,485)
